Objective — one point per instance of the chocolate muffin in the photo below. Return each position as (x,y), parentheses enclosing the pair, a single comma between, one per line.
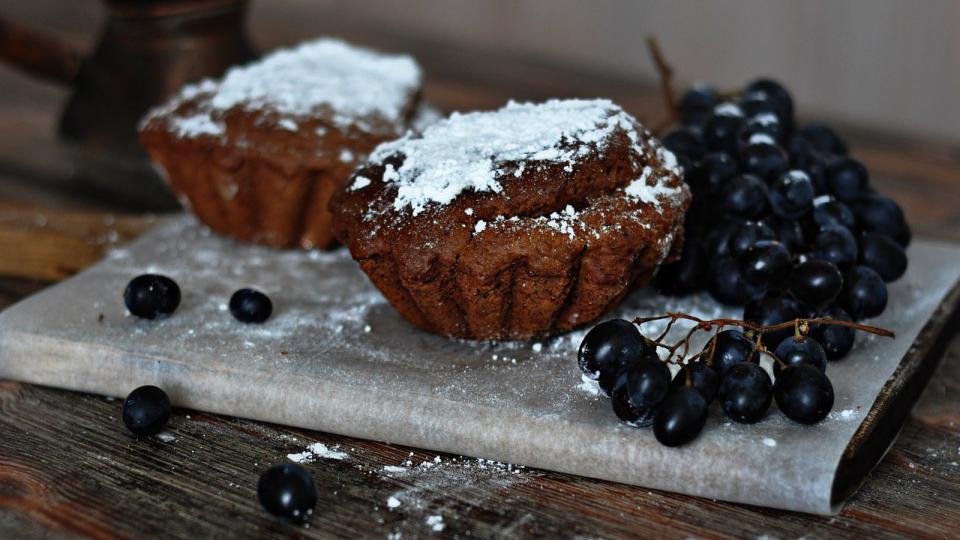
(514,224)
(258,154)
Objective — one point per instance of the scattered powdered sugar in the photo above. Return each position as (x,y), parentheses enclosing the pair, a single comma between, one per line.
(321,450)
(589,385)
(436,523)
(562,222)
(845,415)
(393,502)
(641,190)
(440,479)
(767,441)
(352,82)
(468,151)
(300,457)
(316,450)
(166,436)
(196,125)
(359,182)
(288,124)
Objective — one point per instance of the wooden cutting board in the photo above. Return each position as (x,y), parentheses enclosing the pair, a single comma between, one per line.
(336,357)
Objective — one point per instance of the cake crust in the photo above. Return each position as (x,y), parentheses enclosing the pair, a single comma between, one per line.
(486,228)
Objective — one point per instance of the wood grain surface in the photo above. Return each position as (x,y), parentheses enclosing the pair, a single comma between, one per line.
(68,469)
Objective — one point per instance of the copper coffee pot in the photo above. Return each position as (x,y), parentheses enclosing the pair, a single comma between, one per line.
(147,50)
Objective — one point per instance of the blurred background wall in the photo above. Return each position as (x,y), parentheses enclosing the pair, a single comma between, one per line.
(893,64)
(888,64)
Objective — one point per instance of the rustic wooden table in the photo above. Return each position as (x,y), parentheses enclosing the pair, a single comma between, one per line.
(69,469)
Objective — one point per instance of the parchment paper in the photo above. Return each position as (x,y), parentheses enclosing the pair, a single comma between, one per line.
(336,357)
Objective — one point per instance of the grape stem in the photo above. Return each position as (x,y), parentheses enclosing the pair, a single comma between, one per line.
(665,74)
(801,328)
(667,91)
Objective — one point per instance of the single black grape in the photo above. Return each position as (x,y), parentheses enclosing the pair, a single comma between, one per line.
(766,161)
(717,239)
(847,179)
(686,275)
(696,104)
(724,282)
(732,348)
(770,309)
(864,294)
(700,376)
(680,418)
(766,263)
(803,351)
(791,195)
(727,286)
(829,212)
(763,123)
(758,103)
(837,341)
(149,296)
(884,255)
(146,410)
(287,492)
(250,306)
(776,94)
(646,383)
(623,407)
(746,393)
(879,214)
(788,232)
(815,283)
(714,171)
(685,142)
(723,128)
(610,346)
(836,245)
(745,197)
(803,393)
(748,234)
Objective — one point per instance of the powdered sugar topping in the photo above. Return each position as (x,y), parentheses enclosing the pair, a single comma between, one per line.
(294,83)
(469,152)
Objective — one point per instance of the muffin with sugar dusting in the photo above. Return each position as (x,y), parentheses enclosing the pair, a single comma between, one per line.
(258,154)
(518,223)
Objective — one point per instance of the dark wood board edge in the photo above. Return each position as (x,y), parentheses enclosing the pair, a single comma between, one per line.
(878,432)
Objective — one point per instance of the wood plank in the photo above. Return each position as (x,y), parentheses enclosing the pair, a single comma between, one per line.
(51,244)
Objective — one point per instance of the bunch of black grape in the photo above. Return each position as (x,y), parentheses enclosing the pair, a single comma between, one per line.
(782,220)
(629,370)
